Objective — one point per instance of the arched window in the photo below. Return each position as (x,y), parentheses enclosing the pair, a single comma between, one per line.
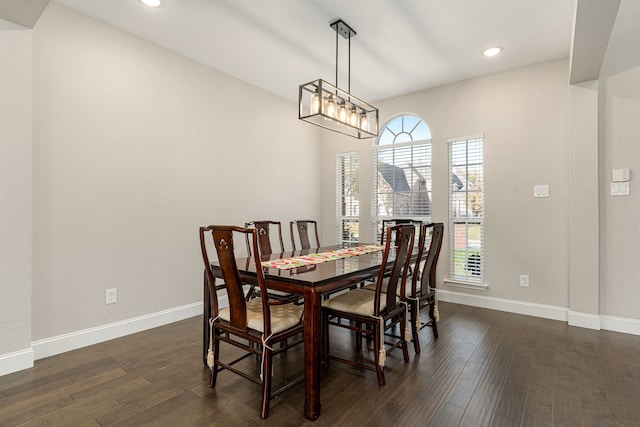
(402,171)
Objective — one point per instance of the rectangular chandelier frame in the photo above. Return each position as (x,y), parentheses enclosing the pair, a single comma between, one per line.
(330,107)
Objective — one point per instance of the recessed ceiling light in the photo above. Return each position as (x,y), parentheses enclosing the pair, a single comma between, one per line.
(492,51)
(152,3)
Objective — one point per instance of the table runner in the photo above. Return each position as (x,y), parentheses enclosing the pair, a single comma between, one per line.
(303,260)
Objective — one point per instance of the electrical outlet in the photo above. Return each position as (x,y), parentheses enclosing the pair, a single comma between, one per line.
(111,296)
(524,280)
(541,190)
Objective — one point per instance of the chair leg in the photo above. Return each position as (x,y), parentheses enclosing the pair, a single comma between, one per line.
(405,351)
(250,292)
(368,336)
(377,345)
(415,311)
(266,383)
(257,347)
(434,324)
(216,357)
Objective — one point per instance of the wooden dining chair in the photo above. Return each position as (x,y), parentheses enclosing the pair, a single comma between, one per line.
(386,223)
(423,282)
(422,287)
(254,326)
(372,313)
(264,236)
(302,225)
(266,231)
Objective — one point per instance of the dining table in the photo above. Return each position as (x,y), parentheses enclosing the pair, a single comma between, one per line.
(312,282)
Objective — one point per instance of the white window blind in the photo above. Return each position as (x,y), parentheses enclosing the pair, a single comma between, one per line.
(348,203)
(466,210)
(402,172)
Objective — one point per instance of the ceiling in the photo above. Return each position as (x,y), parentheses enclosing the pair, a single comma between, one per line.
(401,46)
(18,15)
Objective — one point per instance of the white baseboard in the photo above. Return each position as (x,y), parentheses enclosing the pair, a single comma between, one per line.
(620,324)
(16,361)
(573,318)
(67,342)
(584,320)
(500,304)
(19,360)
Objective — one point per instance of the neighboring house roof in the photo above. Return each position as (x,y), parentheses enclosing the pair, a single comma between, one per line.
(460,185)
(455,180)
(395,177)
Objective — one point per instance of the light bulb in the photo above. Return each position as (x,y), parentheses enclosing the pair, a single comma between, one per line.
(364,123)
(315,103)
(492,51)
(353,116)
(331,107)
(342,114)
(152,3)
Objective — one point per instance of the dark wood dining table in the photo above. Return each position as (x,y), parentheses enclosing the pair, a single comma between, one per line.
(311,282)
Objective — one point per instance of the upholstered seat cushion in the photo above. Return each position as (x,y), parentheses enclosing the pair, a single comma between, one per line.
(283,316)
(385,282)
(280,293)
(357,301)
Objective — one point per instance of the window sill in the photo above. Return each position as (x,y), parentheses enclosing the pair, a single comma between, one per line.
(462,284)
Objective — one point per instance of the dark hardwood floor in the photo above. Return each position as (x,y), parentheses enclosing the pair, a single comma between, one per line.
(488,368)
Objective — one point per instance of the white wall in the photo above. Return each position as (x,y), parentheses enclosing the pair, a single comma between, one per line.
(135,147)
(15,199)
(620,225)
(523,114)
(583,206)
(620,148)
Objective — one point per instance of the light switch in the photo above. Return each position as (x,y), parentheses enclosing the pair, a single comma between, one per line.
(619,188)
(541,190)
(620,175)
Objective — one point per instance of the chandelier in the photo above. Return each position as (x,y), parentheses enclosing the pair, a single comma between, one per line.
(328,106)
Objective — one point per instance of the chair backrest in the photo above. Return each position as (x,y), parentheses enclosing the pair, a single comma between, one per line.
(222,238)
(427,259)
(264,236)
(302,225)
(403,235)
(386,223)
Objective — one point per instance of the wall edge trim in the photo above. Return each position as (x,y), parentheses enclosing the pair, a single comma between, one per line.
(584,320)
(501,304)
(86,337)
(16,361)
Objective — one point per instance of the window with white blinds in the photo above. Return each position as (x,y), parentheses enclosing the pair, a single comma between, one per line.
(466,210)
(402,172)
(347,192)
